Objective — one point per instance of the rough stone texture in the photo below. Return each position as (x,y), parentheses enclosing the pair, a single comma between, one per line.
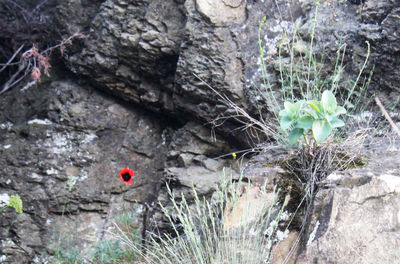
(150,52)
(356,217)
(380,26)
(191,161)
(85,10)
(62,147)
(223,12)
(356,214)
(132,49)
(194,149)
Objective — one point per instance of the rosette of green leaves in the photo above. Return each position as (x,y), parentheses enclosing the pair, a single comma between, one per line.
(314,117)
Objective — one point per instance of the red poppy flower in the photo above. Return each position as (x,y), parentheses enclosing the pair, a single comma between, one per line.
(126,175)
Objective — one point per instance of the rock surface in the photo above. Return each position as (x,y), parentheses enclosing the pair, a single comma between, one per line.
(356,217)
(150,52)
(191,162)
(62,146)
(356,212)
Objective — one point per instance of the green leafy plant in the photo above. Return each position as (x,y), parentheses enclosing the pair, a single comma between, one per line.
(111,251)
(314,118)
(301,69)
(67,253)
(15,202)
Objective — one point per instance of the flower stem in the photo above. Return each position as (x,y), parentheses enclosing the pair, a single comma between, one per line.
(305,139)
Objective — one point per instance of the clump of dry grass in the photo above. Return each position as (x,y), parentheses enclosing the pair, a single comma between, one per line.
(311,164)
(203,232)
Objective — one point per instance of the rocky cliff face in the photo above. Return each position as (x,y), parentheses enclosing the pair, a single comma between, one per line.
(64,141)
(62,148)
(150,52)
(62,154)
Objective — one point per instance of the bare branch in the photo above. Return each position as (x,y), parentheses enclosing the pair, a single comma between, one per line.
(33,62)
(8,63)
(10,83)
(40,4)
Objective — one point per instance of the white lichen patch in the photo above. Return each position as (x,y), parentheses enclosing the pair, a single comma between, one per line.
(36,177)
(6,125)
(270,230)
(45,122)
(74,179)
(89,138)
(7,243)
(59,143)
(392,181)
(285,216)
(333,177)
(84,176)
(3,258)
(271,42)
(313,233)
(40,260)
(4,199)
(281,235)
(51,171)
(7,146)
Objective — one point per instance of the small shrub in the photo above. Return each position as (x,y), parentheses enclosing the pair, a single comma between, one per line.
(67,252)
(112,252)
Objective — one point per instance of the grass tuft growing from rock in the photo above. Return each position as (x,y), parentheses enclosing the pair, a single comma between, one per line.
(231,228)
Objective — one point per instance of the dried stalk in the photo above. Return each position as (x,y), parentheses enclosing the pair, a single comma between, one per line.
(387,116)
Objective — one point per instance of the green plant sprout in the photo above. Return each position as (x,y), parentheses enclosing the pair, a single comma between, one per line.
(14,202)
(312,117)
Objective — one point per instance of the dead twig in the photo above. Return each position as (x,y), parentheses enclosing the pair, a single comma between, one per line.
(387,116)
(32,62)
(248,123)
(9,62)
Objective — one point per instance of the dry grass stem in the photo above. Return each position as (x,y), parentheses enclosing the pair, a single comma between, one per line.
(387,116)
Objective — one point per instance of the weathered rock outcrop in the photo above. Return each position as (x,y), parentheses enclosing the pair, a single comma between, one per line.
(147,52)
(192,162)
(355,214)
(356,217)
(132,48)
(62,147)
